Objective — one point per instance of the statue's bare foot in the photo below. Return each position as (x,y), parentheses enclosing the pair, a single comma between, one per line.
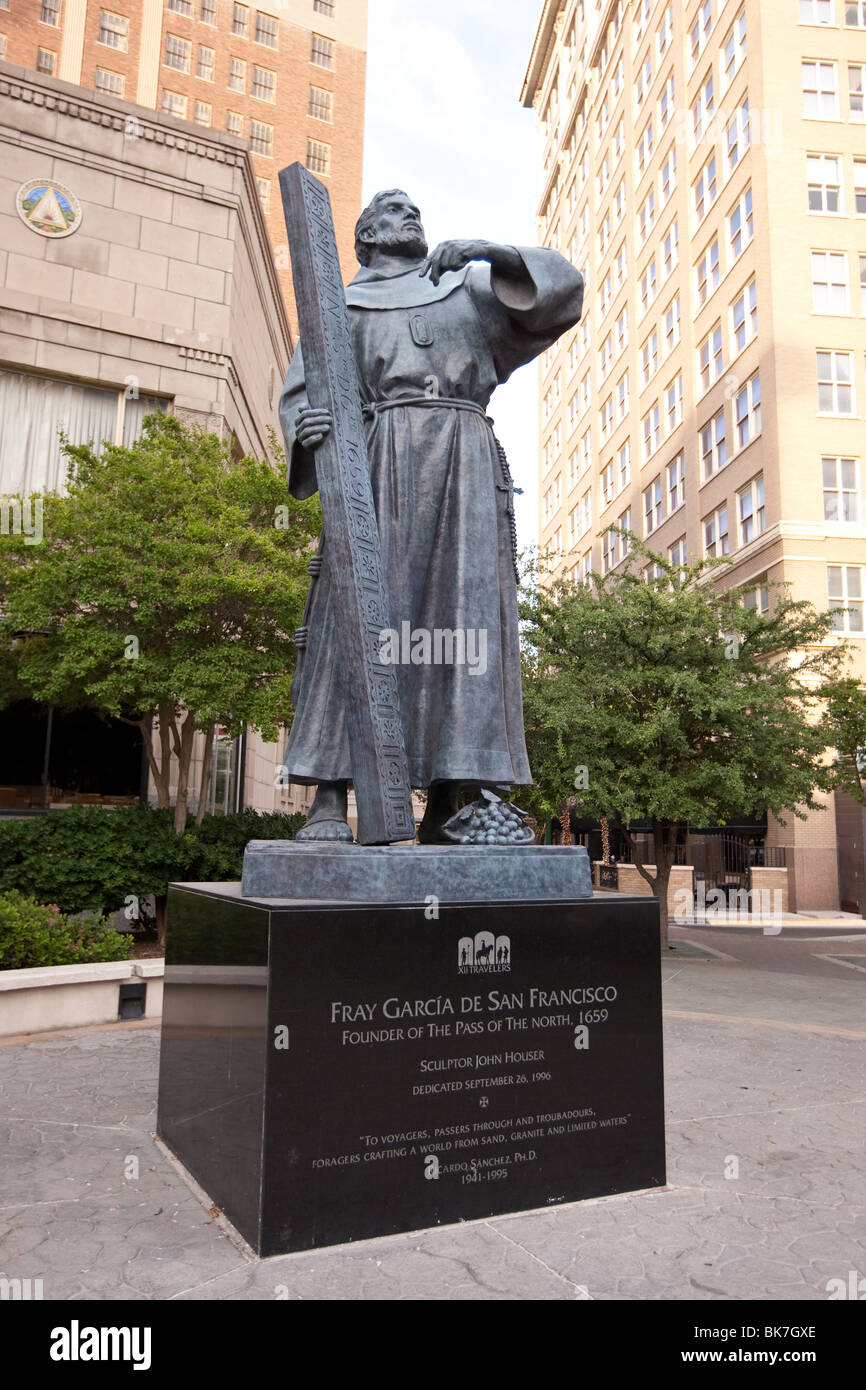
(327,819)
(443,801)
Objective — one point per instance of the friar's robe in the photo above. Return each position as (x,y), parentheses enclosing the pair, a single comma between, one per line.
(442,508)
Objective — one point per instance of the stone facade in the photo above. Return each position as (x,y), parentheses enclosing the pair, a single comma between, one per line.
(166,289)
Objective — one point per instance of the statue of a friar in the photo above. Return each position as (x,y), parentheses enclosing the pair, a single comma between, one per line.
(433,335)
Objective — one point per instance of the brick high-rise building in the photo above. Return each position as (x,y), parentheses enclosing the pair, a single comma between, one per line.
(285,76)
(704,164)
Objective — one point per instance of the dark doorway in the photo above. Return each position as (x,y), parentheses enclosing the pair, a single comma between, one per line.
(89,756)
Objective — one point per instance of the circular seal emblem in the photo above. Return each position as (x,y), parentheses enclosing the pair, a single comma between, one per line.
(48,208)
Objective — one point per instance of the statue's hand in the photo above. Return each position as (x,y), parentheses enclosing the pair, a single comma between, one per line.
(454,255)
(312,426)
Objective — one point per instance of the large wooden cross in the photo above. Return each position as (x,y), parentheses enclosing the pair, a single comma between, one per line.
(380,770)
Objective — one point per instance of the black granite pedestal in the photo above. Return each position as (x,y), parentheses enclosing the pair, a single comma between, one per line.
(336,1071)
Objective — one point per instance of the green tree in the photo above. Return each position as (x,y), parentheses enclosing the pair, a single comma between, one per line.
(846,721)
(684,705)
(165,592)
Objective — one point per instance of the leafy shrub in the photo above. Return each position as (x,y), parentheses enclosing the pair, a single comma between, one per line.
(33,934)
(91,858)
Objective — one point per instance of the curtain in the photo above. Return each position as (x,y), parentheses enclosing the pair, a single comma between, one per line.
(34,410)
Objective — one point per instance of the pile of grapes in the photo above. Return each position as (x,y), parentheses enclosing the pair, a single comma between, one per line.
(489,822)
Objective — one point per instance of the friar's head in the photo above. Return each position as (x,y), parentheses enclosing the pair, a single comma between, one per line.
(390,223)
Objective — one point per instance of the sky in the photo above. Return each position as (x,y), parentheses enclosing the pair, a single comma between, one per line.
(445,123)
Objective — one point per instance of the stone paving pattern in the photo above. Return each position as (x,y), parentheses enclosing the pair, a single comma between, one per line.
(763,1068)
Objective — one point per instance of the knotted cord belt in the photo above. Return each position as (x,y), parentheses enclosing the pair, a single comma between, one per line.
(370,409)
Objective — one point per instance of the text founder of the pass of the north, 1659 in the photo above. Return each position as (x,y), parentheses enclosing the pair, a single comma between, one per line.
(433,335)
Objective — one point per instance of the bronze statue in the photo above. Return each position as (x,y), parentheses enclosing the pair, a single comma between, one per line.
(433,335)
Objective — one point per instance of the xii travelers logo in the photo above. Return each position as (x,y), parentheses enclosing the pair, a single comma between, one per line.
(484,954)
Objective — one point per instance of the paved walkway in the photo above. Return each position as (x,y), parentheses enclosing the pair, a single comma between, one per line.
(766,1079)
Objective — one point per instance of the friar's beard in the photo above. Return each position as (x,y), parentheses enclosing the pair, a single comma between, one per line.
(409,244)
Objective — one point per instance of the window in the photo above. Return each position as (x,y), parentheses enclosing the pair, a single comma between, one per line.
(744,317)
(174,103)
(666,102)
(668,175)
(738,135)
(50,12)
(653,507)
(586,511)
(624,524)
(816,11)
(845,590)
(606,417)
(264,188)
(822,171)
(240,14)
(608,551)
(855,14)
(716,533)
(747,412)
(860,187)
(204,68)
(176,53)
(652,431)
(110,82)
(702,109)
(646,217)
(237,75)
(758,598)
(261,138)
(665,31)
(863,284)
(674,403)
(648,286)
(234,123)
(649,357)
(820,90)
(264,84)
(266,30)
(113,30)
(676,472)
(607,489)
(670,250)
(710,361)
(181,6)
(207,13)
(830,282)
(708,272)
(645,147)
(202,113)
(750,511)
(45,61)
(701,30)
(705,189)
(841,489)
(856,88)
(835,383)
(677,553)
(622,398)
(321,104)
(324,6)
(734,49)
(741,225)
(714,449)
(622,332)
(672,325)
(623,466)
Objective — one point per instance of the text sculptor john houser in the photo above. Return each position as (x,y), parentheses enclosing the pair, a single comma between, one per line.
(433,335)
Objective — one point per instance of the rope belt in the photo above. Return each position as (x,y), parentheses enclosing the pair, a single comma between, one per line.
(370,410)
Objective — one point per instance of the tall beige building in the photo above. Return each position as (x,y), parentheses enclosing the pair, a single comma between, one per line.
(705,166)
